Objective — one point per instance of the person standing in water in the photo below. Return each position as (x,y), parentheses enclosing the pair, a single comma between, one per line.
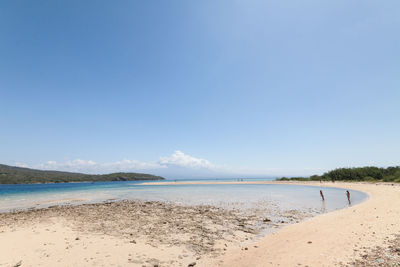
(322,195)
(348,196)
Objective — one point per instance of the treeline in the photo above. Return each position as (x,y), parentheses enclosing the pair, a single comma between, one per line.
(17,175)
(390,174)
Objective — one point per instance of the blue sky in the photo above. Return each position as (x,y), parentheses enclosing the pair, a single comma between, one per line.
(200,88)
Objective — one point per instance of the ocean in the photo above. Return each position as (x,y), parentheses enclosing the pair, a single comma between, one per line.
(242,196)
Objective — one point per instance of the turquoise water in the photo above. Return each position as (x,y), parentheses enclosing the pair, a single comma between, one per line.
(236,195)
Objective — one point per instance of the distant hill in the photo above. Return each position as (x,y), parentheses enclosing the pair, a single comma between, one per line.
(17,175)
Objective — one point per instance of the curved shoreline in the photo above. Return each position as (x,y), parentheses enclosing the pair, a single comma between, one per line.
(331,239)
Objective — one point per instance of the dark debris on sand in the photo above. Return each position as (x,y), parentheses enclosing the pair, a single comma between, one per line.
(198,228)
(387,256)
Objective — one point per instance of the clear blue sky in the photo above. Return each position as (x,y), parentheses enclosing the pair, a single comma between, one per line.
(257,87)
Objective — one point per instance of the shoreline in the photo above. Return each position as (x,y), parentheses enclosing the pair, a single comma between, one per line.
(294,182)
(77,182)
(335,238)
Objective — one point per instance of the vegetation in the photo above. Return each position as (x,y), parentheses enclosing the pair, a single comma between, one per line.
(17,175)
(390,174)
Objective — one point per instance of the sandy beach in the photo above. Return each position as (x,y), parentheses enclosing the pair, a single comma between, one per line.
(136,233)
(349,236)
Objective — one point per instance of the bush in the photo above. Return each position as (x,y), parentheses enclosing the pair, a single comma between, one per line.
(390,174)
(369,179)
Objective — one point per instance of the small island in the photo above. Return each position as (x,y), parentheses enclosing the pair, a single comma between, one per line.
(18,175)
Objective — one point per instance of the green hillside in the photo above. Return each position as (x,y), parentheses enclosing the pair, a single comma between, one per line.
(17,175)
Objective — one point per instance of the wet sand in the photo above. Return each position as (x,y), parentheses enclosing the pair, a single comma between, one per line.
(136,233)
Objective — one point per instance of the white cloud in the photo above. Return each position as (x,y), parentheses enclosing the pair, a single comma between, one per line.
(127,164)
(22,165)
(178,158)
(177,165)
(90,166)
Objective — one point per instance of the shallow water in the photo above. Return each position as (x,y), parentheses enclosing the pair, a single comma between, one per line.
(228,195)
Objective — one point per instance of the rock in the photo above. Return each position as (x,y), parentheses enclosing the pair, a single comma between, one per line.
(18,264)
(192,264)
(246,248)
(266,220)
(309,242)
(77,238)
(132,241)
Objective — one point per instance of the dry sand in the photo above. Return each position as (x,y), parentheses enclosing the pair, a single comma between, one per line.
(134,233)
